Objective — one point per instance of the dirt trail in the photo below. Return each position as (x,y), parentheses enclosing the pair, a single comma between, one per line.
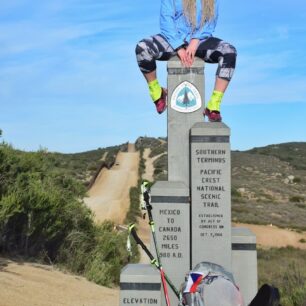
(271,236)
(28,284)
(149,171)
(104,156)
(108,198)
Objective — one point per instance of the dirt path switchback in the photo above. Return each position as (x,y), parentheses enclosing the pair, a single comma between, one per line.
(269,236)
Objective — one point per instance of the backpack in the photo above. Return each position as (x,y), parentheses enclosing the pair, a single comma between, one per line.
(266,296)
(209,284)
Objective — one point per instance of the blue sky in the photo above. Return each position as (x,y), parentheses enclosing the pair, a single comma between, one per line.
(69,80)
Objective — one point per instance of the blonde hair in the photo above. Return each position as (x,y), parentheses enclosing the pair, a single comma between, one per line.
(208,11)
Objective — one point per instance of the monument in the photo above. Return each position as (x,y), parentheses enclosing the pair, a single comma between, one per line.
(140,285)
(192,210)
(211,194)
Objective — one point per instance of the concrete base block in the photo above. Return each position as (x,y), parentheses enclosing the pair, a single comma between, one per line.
(244,262)
(140,285)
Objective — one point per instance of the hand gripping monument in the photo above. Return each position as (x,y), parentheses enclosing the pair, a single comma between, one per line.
(192,210)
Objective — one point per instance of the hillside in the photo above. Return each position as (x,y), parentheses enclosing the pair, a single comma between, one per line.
(44,220)
(85,166)
(268,184)
(266,188)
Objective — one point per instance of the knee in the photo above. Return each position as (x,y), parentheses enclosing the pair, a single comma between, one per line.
(148,48)
(145,45)
(145,56)
(234,51)
(139,47)
(230,55)
(230,49)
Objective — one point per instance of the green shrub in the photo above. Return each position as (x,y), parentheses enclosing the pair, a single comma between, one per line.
(75,250)
(240,209)
(296,199)
(285,268)
(293,290)
(160,168)
(42,217)
(301,205)
(142,164)
(235,193)
(133,212)
(297,180)
(162,148)
(108,257)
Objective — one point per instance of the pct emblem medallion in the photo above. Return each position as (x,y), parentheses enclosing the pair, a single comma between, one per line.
(186,98)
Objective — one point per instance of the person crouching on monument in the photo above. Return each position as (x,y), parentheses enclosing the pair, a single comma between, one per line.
(186,28)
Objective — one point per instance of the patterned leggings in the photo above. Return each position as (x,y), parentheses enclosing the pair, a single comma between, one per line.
(211,50)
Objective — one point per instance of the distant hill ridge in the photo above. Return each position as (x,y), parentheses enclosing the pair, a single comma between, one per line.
(268,183)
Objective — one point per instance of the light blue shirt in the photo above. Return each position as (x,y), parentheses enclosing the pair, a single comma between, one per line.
(175,27)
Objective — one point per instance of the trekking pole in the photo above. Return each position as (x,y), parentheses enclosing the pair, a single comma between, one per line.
(153,261)
(146,198)
(165,279)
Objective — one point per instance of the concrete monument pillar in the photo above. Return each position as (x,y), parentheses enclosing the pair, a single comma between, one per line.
(185,107)
(171,199)
(171,210)
(211,194)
